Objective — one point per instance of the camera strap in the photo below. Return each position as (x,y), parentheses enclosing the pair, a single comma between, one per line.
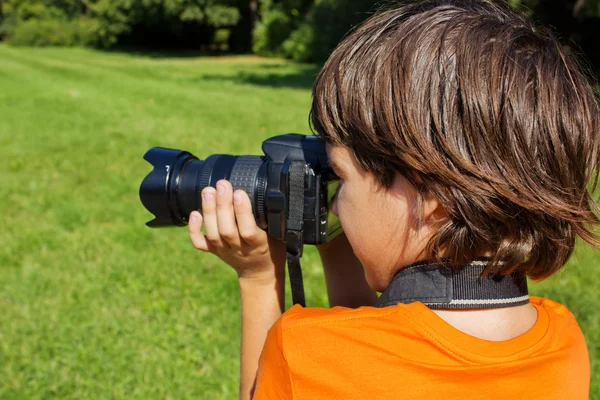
(440,287)
(294,231)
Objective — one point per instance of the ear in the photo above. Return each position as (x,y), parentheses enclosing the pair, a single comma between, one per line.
(431,208)
(428,209)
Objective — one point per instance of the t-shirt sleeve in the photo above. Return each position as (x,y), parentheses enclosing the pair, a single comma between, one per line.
(273,381)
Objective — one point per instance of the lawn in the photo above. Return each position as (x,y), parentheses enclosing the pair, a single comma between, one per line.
(95,305)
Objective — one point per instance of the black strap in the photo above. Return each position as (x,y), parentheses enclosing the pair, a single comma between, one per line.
(440,287)
(294,232)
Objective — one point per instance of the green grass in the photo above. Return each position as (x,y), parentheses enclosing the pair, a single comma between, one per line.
(94,304)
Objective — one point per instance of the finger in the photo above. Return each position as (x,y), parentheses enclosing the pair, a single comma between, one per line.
(195,230)
(209,213)
(249,231)
(225,217)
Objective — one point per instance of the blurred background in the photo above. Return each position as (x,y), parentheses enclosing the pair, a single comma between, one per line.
(94,304)
(301,30)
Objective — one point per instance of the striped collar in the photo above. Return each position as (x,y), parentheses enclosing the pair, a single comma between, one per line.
(439,287)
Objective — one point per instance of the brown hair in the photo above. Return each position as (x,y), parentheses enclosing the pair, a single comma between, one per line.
(472,102)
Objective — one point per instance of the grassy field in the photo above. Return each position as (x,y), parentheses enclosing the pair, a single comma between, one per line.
(94,304)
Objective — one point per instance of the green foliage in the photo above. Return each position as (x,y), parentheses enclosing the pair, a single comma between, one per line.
(591,8)
(278,20)
(526,6)
(299,45)
(47,32)
(115,18)
(309,32)
(36,24)
(222,36)
(270,34)
(303,30)
(219,16)
(103,23)
(327,22)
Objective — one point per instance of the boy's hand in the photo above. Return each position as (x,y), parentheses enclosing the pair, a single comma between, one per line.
(233,236)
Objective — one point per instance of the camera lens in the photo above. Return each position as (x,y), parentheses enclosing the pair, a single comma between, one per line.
(173,189)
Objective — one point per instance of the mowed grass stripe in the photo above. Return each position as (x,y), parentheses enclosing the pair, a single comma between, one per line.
(95,304)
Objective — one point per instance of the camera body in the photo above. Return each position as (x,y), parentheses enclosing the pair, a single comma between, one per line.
(172,190)
(280,151)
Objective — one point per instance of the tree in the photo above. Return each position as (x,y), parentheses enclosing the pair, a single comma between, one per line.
(278,19)
(576,22)
(106,23)
(240,39)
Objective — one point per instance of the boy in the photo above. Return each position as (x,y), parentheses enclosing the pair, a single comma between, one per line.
(464,139)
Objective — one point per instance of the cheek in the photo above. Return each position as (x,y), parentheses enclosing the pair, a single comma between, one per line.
(361,220)
(348,206)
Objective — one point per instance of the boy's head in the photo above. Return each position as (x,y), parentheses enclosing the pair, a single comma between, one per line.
(477,107)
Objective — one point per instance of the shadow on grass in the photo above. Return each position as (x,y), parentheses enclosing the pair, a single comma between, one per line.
(170,53)
(303,79)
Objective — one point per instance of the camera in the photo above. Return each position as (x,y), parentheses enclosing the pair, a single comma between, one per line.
(292,177)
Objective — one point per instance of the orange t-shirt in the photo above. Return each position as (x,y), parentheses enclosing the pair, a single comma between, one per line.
(408,352)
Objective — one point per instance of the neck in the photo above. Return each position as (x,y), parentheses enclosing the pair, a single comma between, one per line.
(497,324)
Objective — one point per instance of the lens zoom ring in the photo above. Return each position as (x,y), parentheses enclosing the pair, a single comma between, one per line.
(204,177)
(260,196)
(243,174)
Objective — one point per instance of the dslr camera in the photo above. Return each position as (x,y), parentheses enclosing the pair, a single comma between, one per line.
(291,186)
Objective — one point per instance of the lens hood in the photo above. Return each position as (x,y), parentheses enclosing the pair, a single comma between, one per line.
(158,191)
